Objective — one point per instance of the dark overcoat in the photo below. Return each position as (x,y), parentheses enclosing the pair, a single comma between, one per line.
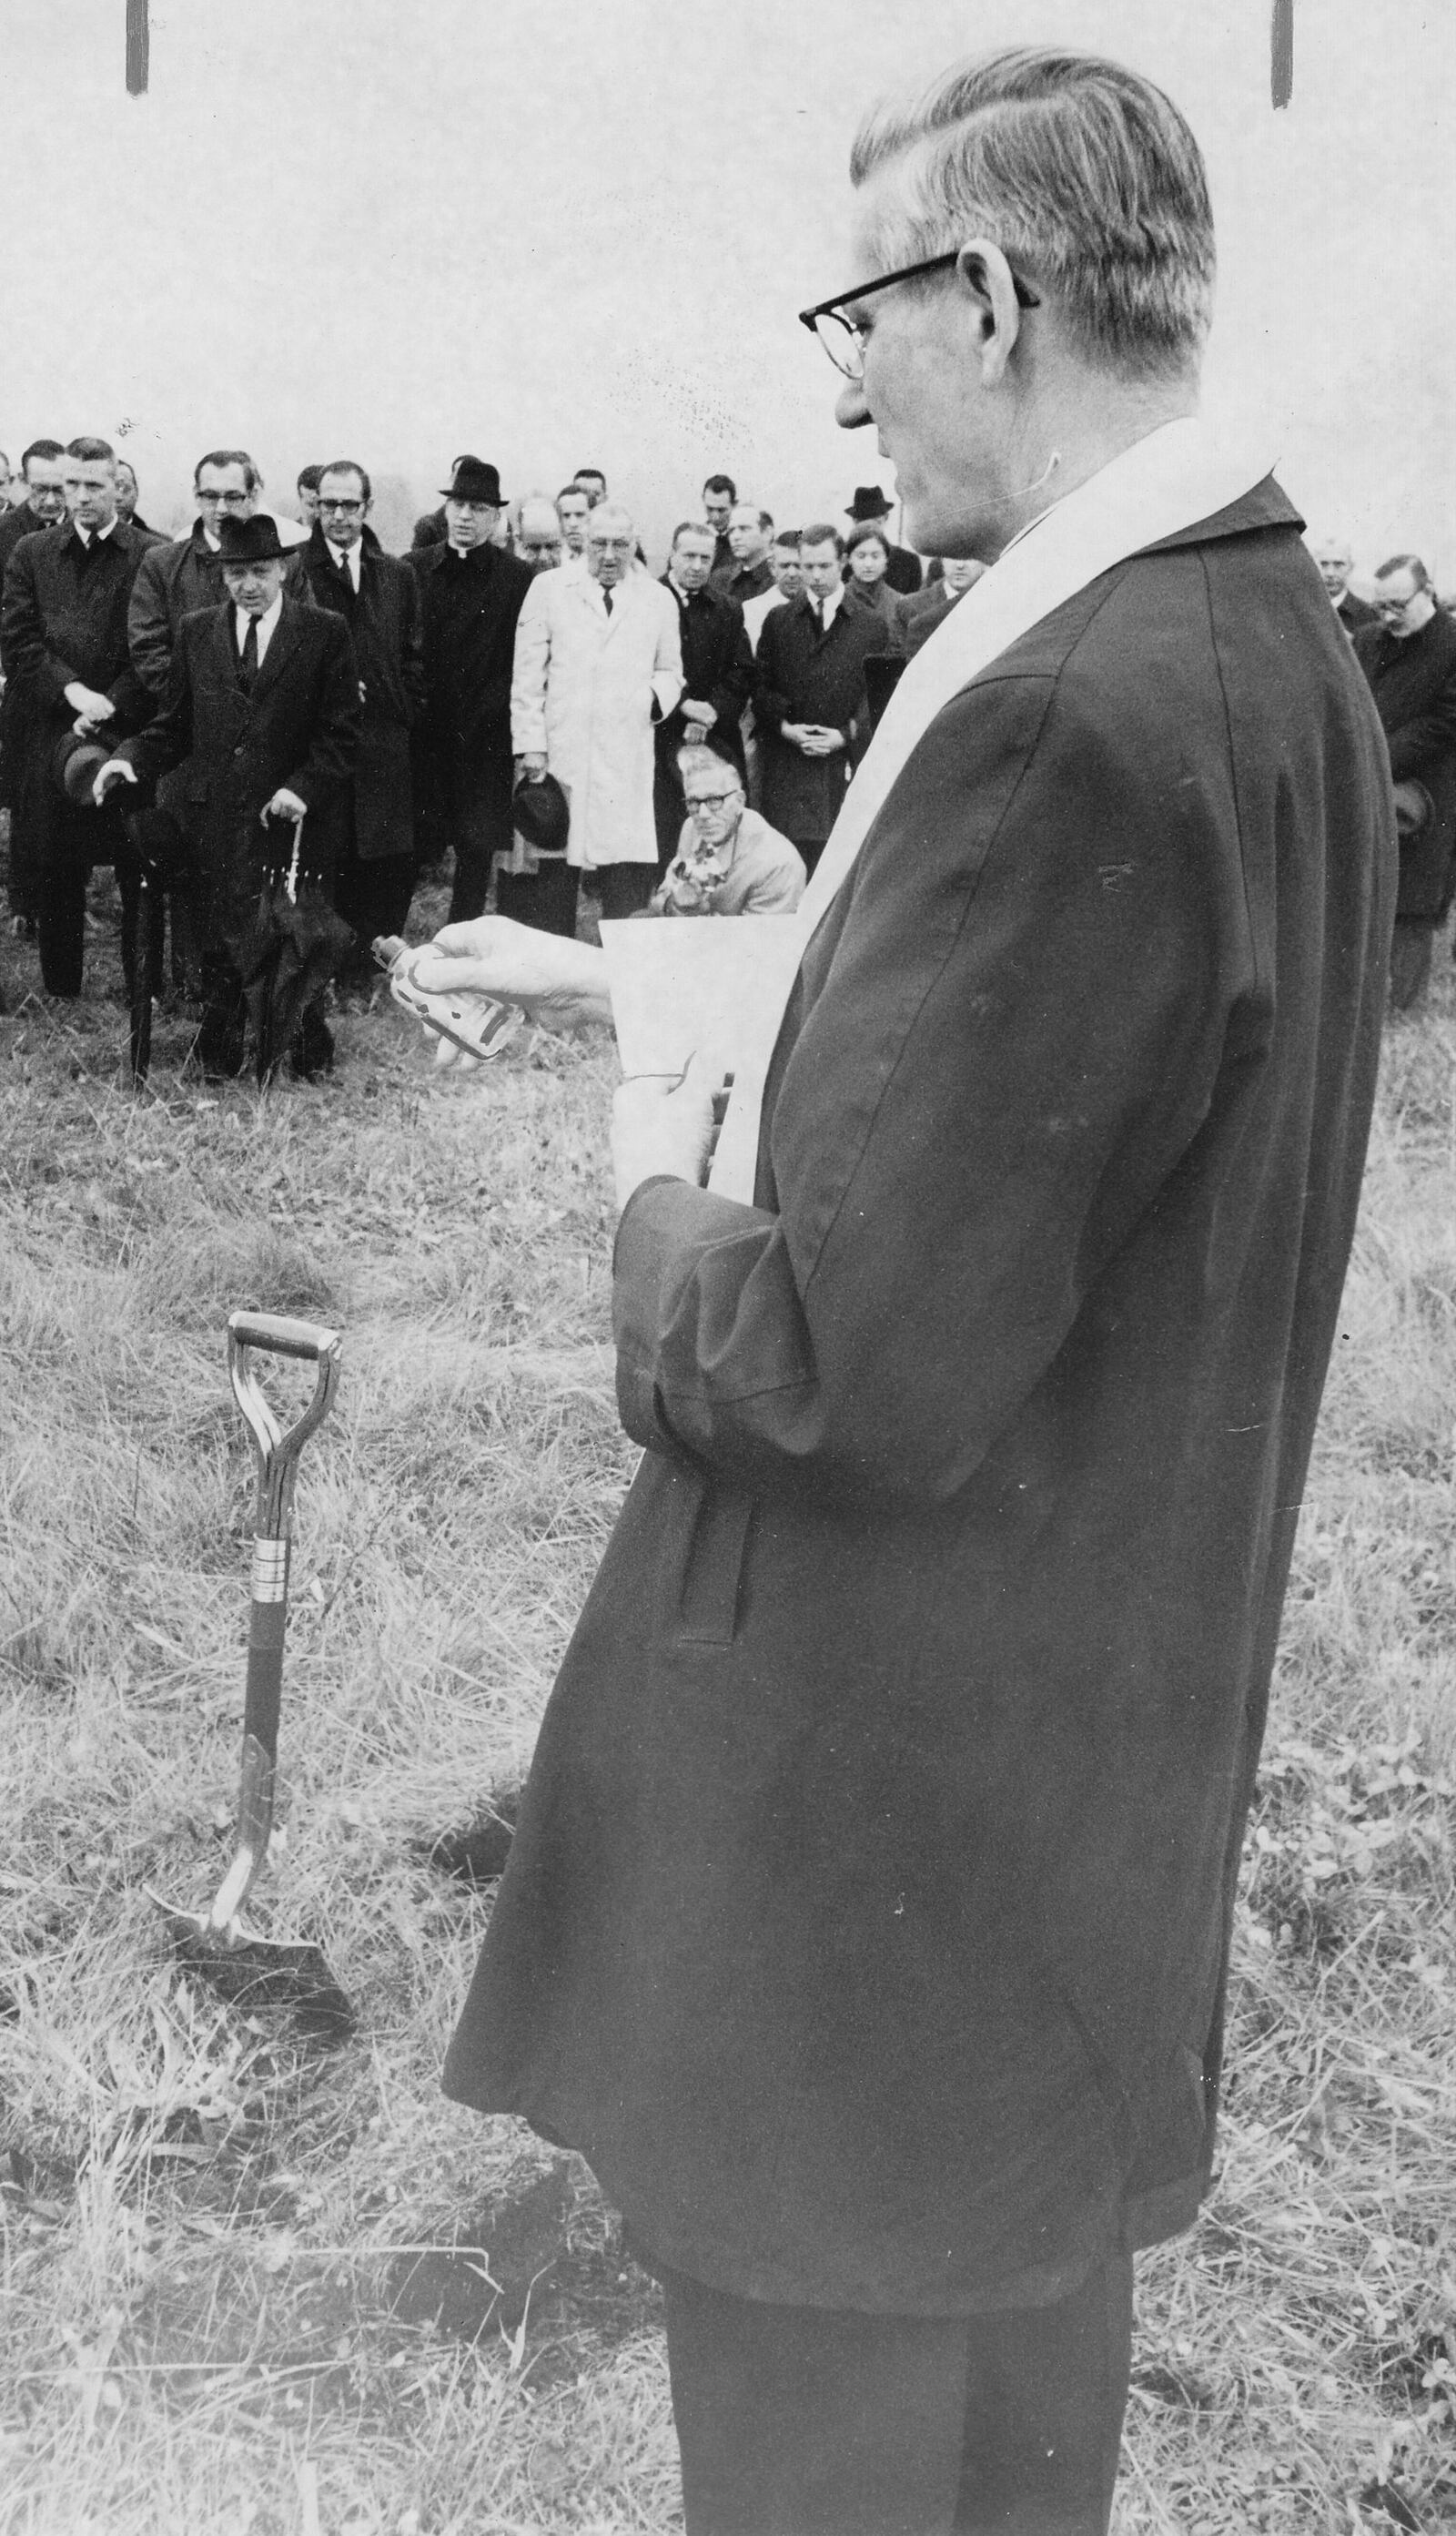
(717,669)
(867,1925)
(463,764)
(17,523)
(63,618)
(384,623)
(1413,680)
(806,674)
(233,750)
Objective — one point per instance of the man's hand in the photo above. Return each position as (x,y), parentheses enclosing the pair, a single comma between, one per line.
(533,765)
(695,712)
(661,1127)
(89,706)
(552,979)
(115,771)
(820,739)
(284,805)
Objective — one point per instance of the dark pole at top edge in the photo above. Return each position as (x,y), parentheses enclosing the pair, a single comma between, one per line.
(138,48)
(1282,53)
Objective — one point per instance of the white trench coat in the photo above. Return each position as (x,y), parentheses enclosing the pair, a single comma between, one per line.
(583,691)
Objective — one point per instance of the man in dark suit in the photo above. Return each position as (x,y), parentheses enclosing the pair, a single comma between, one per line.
(751,534)
(717,673)
(905,572)
(1336,565)
(42,505)
(63,641)
(378,596)
(262,720)
(720,493)
(471,593)
(809,703)
(1409,656)
(867,1922)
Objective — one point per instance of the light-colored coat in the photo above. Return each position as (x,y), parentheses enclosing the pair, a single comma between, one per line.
(583,693)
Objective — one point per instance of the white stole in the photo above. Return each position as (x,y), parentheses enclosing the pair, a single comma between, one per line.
(1168,481)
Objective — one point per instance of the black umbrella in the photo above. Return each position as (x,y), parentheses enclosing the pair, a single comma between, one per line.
(288,950)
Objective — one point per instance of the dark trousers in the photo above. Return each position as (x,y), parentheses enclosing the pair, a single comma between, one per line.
(374,898)
(624,888)
(475,800)
(544,899)
(1411,947)
(806,2422)
(61,881)
(668,810)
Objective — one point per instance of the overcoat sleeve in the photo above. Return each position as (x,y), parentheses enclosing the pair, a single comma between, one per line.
(1420,744)
(666,668)
(1011,1050)
(529,673)
(335,739)
(728,693)
(166,739)
(26,656)
(770,695)
(412,646)
(149,625)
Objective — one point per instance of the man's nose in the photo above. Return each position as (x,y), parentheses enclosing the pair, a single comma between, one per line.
(850,407)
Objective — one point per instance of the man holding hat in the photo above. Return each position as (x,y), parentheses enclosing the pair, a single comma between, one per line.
(906,573)
(63,642)
(262,717)
(471,595)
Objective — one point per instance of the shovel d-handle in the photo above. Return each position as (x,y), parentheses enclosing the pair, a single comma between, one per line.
(276,1452)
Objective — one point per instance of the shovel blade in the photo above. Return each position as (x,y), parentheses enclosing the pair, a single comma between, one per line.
(252,1971)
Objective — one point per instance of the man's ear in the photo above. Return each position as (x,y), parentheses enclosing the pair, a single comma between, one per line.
(992,306)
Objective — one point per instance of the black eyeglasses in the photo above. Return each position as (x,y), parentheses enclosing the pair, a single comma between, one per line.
(839,335)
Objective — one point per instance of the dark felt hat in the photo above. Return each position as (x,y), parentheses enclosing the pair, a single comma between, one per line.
(254,541)
(539,813)
(474,481)
(870,503)
(76,765)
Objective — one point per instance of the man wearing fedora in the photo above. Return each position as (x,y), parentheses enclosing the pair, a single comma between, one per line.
(905,572)
(262,720)
(471,595)
(63,643)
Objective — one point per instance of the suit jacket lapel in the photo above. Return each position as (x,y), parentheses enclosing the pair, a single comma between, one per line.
(285,641)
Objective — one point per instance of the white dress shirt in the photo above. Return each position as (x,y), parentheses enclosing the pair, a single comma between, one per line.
(267,624)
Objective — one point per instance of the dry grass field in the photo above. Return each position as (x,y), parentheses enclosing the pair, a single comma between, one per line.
(249,2287)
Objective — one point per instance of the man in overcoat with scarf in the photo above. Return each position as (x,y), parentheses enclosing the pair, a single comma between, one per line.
(866,1925)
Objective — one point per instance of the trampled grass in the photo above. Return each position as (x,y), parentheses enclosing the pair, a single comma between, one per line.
(235,2267)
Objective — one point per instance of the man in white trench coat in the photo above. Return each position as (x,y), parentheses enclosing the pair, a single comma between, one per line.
(599,663)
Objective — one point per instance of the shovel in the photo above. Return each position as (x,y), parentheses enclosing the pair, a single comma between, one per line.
(248,1970)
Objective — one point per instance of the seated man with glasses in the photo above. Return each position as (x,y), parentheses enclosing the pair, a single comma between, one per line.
(730,862)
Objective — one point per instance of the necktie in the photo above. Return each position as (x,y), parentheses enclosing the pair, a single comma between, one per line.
(249,660)
(607,600)
(817,605)
(346,567)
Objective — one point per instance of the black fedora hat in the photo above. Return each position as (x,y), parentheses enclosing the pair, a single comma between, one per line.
(254,541)
(474,481)
(76,765)
(541,813)
(870,503)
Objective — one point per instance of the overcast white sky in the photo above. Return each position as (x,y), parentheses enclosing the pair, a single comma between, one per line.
(564,231)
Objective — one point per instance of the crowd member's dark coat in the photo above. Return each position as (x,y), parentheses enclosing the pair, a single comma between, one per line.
(804,674)
(384,624)
(177,579)
(468,607)
(63,618)
(918,617)
(233,750)
(867,1925)
(743,582)
(1355,612)
(15,524)
(1413,685)
(717,671)
(431,528)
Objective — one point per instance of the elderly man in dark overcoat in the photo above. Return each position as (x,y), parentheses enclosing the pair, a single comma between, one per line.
(866,1925)
(1409,656)
(378,598)
(262,720)
(472,593)
(810,707)
(42,504)
(63,642)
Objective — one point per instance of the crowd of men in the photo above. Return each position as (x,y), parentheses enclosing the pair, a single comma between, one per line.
(519,700)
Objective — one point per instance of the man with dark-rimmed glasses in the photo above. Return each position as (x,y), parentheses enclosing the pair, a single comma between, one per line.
(866,1922)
